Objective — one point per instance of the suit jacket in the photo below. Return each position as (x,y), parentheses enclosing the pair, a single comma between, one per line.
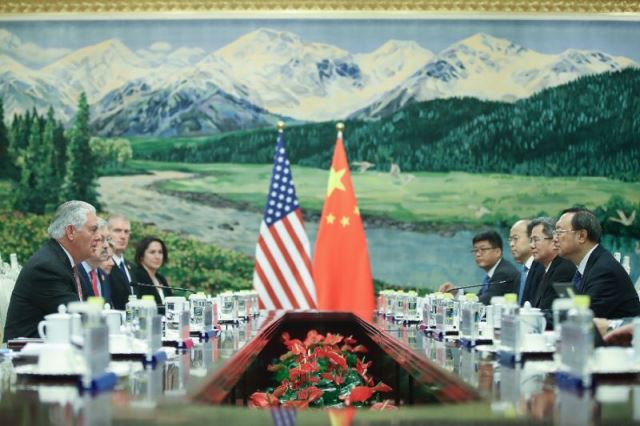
(120,286)
(561,270)
(45,282)
(506,272)
(103,281)
(534,277)
(141,275)
(609,286)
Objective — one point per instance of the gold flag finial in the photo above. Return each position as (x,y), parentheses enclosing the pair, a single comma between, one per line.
(340,127)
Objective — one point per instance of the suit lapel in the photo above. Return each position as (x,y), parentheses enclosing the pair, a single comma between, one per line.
(61,256)
(595,254)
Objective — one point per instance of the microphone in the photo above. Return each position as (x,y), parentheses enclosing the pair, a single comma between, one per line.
(476,285)
(163,286)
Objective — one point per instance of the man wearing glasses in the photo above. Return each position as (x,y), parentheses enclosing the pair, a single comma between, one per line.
(556,269)
(502,277)
(95,281)
(577,237)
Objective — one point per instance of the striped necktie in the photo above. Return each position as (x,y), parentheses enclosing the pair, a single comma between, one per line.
(76,277)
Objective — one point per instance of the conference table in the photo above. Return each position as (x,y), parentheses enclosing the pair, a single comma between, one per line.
(171,392)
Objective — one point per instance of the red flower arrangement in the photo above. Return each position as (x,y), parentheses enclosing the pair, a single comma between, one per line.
(322,371)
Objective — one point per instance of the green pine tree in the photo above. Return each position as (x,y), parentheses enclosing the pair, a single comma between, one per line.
(60,149)
(48,178)
(81,171)
(5,160)
(27,194)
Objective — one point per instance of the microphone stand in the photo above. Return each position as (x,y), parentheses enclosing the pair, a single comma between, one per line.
(163,286)
(476,285)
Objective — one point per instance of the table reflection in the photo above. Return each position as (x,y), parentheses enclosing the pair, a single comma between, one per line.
(526,390)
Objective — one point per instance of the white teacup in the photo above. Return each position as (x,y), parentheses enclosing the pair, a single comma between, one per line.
(532,320)
(114,320)
(61,358)
(55,328)
(608,358)
(534,342)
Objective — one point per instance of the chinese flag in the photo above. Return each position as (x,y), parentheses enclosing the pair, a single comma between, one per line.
(341,269)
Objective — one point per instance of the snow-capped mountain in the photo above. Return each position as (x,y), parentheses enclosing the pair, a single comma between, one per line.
(268,74)
(178,110)
(100,68)
(23,88)
(491,68)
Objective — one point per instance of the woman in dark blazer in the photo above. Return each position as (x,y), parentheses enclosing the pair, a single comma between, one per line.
(151,254)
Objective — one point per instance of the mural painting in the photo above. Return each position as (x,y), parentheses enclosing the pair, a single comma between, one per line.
(451,126)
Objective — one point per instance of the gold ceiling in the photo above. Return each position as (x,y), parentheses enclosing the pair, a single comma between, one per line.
(436,6)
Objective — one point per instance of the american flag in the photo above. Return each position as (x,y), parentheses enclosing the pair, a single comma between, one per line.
(282,274)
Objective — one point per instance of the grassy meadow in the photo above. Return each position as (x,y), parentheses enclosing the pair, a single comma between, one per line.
(454,197)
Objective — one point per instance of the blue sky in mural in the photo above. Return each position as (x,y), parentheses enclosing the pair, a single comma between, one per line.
(356,36)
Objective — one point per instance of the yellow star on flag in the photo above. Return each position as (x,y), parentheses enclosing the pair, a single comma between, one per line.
(344,221)
(335,181)
(330,219)
(356,210)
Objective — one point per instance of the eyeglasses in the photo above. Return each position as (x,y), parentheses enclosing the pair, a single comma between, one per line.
(558,231)
(536,240)
(481,249)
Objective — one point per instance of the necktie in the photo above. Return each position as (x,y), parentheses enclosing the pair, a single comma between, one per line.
(76,277)
(94,282)
(485,285)
(577,281)
(123,268)
(523,282)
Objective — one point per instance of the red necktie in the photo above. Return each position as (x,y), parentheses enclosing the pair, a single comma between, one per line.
(76,276)
(94,282)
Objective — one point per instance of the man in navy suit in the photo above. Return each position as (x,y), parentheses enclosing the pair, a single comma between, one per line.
(532,271)
(120,275)
(599,275)
(502,277)
(95,281)
(48,279)
(555,268)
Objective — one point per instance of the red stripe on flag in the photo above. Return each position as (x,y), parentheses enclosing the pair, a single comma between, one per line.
(276,270)
(307,263)
(286,257)
(267,286)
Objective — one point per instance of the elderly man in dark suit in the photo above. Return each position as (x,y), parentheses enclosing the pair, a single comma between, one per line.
(48,278)
(120,275)
(556,269)
(599,275)
(502,277)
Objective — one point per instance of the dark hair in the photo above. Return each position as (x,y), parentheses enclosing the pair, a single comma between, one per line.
(585,219)
(491,236)
(548,225)
(144,243)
